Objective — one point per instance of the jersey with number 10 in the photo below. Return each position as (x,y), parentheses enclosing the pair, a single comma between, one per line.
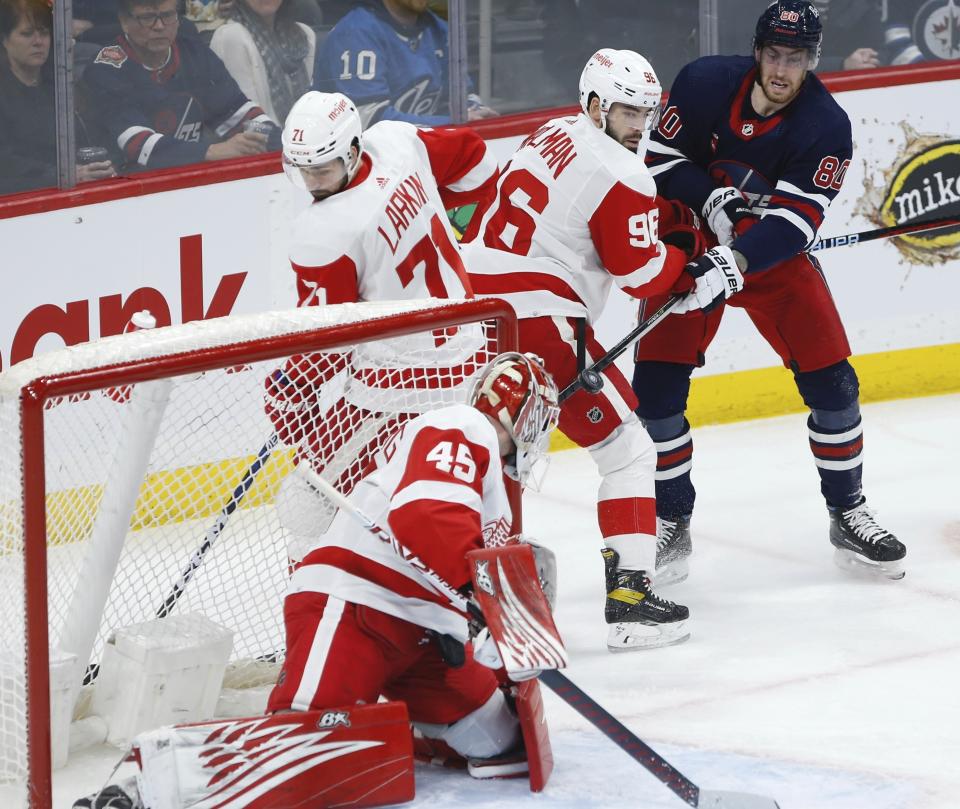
(584,206)
(438,488)
(789,165)
(386,236)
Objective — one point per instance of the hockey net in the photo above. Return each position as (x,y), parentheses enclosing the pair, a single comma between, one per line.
(144,479)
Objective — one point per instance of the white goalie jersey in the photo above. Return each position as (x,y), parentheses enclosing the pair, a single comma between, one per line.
(438,488)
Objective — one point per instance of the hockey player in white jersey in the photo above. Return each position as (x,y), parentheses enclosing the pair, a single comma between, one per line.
(365,619)
(577,208)
(377,230)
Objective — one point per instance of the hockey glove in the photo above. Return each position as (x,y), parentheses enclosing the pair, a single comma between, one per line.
(674,213)
(687,238)
(724,208)
(717,277)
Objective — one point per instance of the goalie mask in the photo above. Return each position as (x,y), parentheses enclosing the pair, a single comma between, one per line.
(517,391)
(620,77)
(319,130)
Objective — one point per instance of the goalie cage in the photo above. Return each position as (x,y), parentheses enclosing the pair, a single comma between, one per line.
(124,455)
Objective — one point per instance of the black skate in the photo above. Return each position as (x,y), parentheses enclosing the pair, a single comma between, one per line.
(638,617)
(674,547)
(863,544)
(115,796)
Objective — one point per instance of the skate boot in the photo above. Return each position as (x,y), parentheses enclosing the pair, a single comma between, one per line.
(124,795)
(638,618)
(673,551)
(864,545)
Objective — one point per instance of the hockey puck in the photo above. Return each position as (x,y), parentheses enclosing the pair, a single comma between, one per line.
(592,381)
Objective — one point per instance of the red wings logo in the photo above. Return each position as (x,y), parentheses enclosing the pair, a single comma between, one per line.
(112,55)
(496,533)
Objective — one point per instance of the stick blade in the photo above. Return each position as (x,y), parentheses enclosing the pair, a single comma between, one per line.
(734,800)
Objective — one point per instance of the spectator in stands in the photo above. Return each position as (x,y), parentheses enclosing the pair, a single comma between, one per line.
(28,138)
(268,52)
(856,34)
(390,57)
(167,100)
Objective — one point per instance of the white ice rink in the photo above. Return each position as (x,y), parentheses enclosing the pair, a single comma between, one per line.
(799,682)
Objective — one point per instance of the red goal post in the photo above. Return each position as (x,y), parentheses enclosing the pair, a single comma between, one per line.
(138,443)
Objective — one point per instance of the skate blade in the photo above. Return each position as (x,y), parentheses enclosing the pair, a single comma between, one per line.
(671,573)
(632,636)
(853,562)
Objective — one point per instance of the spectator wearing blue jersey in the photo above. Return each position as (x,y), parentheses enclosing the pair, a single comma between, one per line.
(761,148)
(391,58)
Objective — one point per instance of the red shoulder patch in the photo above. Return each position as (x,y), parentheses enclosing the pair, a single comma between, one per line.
(112,55)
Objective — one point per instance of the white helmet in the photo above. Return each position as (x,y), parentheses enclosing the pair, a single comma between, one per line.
(623,77)
(320,127)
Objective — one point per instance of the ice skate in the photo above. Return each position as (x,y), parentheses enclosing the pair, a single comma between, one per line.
(673,551)
(862,544)
(638,617)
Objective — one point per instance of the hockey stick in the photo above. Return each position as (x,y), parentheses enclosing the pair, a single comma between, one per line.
(340,501)
(214,531)
(589,378)
(649,758)
(850,239)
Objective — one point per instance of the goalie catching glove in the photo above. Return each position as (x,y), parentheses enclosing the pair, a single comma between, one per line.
(716,277)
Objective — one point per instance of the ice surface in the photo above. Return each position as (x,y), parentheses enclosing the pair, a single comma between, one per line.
(799,682)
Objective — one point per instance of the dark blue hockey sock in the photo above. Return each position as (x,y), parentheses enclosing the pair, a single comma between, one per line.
(675,492)
(836,442)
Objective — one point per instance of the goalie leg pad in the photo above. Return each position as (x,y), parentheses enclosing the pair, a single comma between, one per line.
(536,736)
(507,588)
(490,730)
(359,755)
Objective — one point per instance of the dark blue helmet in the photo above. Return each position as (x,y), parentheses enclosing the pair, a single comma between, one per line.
(793,23)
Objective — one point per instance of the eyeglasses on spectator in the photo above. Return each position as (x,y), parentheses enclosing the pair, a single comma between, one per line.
(150,20)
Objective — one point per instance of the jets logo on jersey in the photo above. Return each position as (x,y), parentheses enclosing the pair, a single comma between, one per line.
(416,100)
(754,186)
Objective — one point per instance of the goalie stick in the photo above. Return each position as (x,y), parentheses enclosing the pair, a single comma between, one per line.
(340,501)
(649,758)
(589,378)
(524,631)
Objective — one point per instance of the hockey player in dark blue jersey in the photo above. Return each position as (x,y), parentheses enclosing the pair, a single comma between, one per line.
(390,57)
(167,100)
(761,148)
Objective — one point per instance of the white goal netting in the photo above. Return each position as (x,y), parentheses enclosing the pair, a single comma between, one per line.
(172,491)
